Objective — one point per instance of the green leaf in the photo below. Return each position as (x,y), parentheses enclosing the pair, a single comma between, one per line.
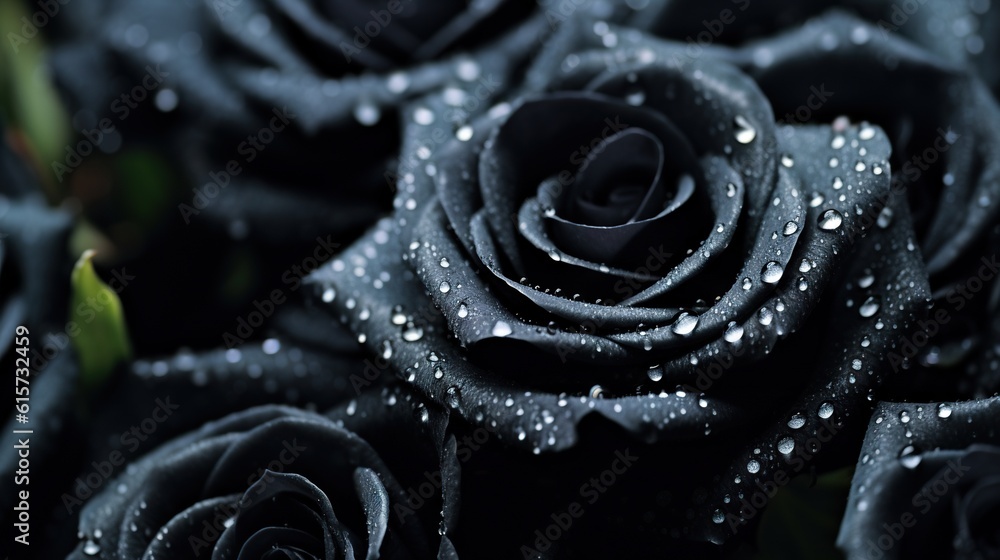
(802,519)
(102,341)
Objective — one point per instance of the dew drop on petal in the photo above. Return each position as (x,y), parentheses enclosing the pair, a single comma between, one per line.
(765,316)
(464,133)
(413,334)
(869,307)
(786,445)
(884,218)
(745,132)
(790,228)
(685,324)
(771,273)
(830,220)
(734,332)
(797,421)
(825,410)
(596,392)
(501,328)
(944,411)
(463,311)
(718,517)
(444,287)
(367,114)
(753,466)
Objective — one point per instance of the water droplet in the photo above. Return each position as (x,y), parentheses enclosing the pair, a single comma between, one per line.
(329,294)
(463,311)
(386,350)
(444,287)
(730,190)
(786,445)
(684,324)
(830,220)
(816,200)
(90,548)
(501,328)
(771,273)
(944,411)
(636,98)
(464,133)
(444,262)
(413,334)
(734,332)
(745,133)
(787,160)
(867,133)
(655,373)
(747,284)
(884,218)
(866,281)
(838,142)
(837,183)
(796,421)
(790,228)
(753,466)
(825,410)
(596,392)
(869,307)
(765,316)
(904,417)
(452,396)
(367,114)
(803,284)
(398,317)
(467,70)
(398,82)
(718,517)
(856,364)
(805,265)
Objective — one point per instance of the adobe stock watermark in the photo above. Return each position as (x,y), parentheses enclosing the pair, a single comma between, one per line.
(959,296)
(31,25)
(753,503)
(712,29)
(292,278)
(122,107)
(932,492)
(248,151)
(818,96)
(225,513)
(365,33)
(87,484)
(899,15)
(463,104)
(416,497)
(910,172)
(590,492)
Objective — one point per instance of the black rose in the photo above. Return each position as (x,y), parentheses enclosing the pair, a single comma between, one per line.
(634,241)
(280,481)
(935,105)
(244,98)
(927,484)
